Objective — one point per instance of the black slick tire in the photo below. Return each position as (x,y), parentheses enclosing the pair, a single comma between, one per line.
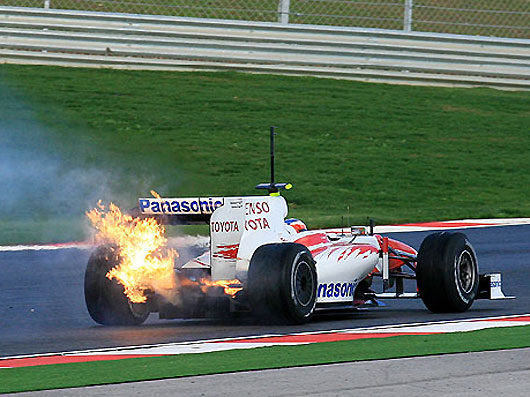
(447,272)
(105,300)
(282,283)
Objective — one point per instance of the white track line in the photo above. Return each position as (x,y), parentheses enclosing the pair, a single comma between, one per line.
(203,346)
(181,241)
(44,247)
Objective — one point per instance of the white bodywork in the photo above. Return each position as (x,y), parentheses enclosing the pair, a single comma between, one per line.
(243,224)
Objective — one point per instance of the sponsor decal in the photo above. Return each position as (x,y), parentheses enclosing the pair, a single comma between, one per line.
(346,253)
(237,203)
(313,240)
(224,226)
(316,243)
(332,250)
(180,206)
(358,250)
(334,290)
(257,224)
(257,208)
(226,251)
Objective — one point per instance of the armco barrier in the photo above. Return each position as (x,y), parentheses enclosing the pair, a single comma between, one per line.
(475,17)
(77,38)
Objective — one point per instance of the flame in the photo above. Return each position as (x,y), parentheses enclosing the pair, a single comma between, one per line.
(146,264)
(155,194)
(230,287)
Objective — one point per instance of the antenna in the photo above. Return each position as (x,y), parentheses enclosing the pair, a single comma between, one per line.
(273,187)
(372,226)
(272,154)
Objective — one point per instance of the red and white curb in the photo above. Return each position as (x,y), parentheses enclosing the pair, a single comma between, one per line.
(207,346)
(201,240)
(448,225)
(443,225)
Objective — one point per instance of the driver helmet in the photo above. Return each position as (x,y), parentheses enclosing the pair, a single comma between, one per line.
(297,224)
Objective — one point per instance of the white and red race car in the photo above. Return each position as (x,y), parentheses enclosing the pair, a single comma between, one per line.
(284,273)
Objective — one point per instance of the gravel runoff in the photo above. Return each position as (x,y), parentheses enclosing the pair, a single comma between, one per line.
(505,372)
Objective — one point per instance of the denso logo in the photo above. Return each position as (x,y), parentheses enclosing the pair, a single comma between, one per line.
(334,290)
(178,206)
(257,208)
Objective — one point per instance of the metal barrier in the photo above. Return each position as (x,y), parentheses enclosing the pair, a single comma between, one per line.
(77,38)
(473,17)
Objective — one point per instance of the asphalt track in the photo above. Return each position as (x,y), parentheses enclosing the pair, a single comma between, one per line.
(42,305)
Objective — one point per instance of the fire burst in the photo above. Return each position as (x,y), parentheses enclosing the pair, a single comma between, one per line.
(230,287)
(146,264)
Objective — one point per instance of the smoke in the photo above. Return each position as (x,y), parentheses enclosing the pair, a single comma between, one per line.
(198,242)
(48,182)
(34,177)
(36,183)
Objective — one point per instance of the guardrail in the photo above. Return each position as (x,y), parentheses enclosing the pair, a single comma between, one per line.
(77,38)
(474,17)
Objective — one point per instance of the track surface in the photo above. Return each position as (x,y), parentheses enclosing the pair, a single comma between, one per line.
(42,305)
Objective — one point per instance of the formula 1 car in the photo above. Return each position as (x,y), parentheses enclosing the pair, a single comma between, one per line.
(259,262)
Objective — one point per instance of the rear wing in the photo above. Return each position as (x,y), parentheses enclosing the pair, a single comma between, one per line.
(180,211)
(239,227)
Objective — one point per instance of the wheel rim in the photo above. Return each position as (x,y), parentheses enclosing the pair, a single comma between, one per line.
(303,282)
(466,272)
(139,310)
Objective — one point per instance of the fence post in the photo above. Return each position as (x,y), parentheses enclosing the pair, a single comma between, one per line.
(407,18)
(283,11)
(46,3)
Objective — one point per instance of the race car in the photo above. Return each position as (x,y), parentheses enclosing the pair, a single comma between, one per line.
(262,263)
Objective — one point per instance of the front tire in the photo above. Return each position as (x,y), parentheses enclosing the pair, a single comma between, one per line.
(447,272)
(105,300)
(282,283)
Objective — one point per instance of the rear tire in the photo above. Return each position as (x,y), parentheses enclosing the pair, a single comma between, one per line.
(105,300)
(282,283)
(447,272)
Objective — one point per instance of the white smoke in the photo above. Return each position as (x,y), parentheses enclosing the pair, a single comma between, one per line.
(35,179)
(189,241)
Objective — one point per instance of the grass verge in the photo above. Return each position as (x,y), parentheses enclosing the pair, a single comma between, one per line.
(130,370)
(352,150)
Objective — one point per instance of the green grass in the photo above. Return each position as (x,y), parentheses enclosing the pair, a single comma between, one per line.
(484,17)
(352,150)
(130,370)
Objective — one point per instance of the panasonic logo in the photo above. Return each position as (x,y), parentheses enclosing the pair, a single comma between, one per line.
(334,290)
(180,206)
